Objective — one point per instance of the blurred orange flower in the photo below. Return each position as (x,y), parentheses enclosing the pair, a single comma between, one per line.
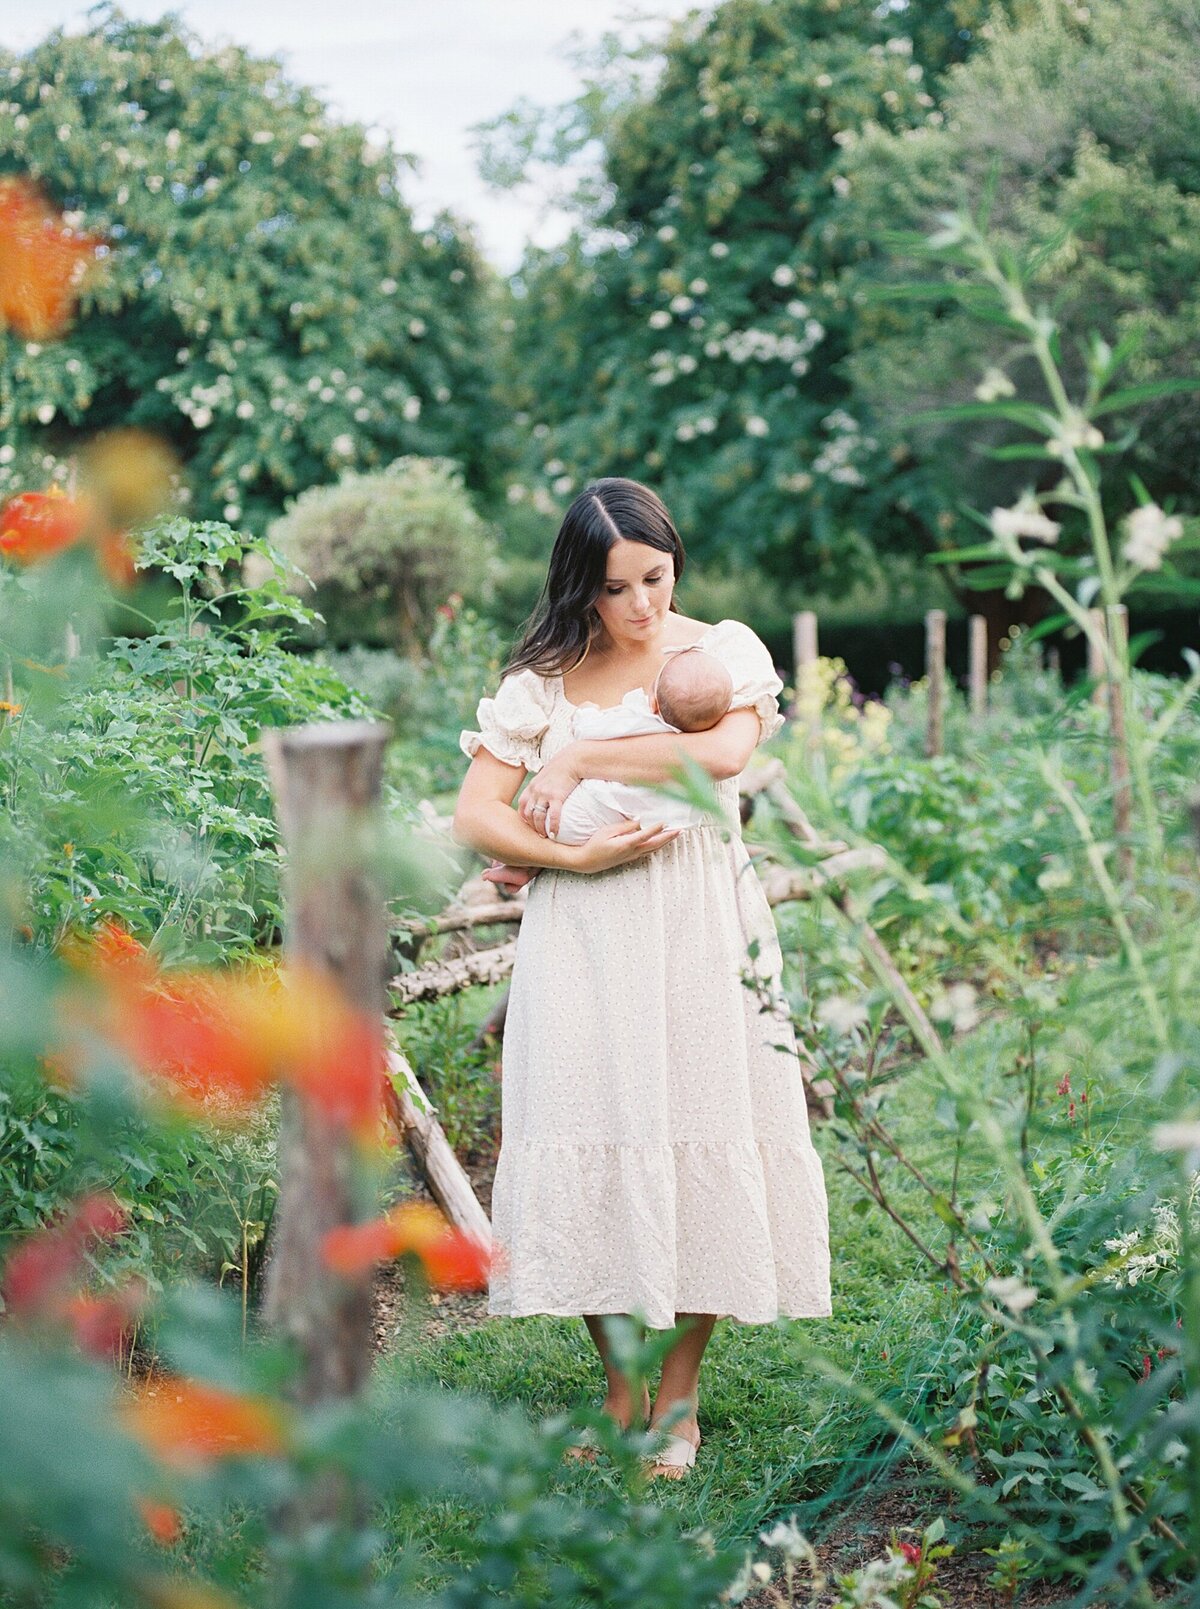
(161,1520)
(214,1037)
(44,1265)
(451,1258)
(36,525)
(43,262)
(188,1424)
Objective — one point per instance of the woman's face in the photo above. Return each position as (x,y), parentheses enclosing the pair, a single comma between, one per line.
(636,594)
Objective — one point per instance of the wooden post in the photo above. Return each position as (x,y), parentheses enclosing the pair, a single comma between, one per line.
(804,638)
(805,652)
(979,670)
(71,644)
(1118,637)
(935,673)
(1096,668)
(327,782)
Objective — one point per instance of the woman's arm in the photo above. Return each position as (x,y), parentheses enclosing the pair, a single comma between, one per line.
(722,750)
(649,757)
(484,819)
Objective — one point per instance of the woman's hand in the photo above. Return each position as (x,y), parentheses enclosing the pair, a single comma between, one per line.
(547,791)
(621,842)
(510,877)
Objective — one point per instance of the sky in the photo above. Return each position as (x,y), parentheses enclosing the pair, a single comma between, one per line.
(424,70)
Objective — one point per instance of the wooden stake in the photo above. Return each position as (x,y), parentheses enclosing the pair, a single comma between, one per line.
(327,782)
(804,638)
(1096,668)
(979,670)
(935,673)
(1118,636)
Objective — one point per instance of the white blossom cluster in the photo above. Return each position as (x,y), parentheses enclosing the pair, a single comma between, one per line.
(1146,1252)
(1148,534)
(835,458)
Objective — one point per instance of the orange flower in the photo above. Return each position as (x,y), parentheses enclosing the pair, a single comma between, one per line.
(213,1036)
(43,262)
(36,525)
(101,1323)
(44,1265)
(188,1424)
(9,709)
(451,1259)
(161,1520)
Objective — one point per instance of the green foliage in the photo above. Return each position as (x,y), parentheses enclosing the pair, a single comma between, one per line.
(266,305)
(143,795)
(1076,133)
(385,551)
(691,333)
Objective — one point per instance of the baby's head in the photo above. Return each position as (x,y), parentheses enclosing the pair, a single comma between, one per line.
(693,690)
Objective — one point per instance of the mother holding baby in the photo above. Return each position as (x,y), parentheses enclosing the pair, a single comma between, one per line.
(655,1156)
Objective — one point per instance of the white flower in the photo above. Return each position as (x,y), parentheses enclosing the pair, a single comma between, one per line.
(261,136)
(441,393)
(840,1015)
(245,410)
(46,412)
(1075,431)
(343,445)
(995,384)
(327,393)
(516,493)
(1025,518)
(563,486)
(668,232)
(901,44)
(698,287)
(841,185)
(685,432)
(706,425)
(7,453)
(388,287)
(957,1005)
(355,394)
(1012,1292)
(787,1536)
(785,274)
(756,425)
(659,319)
(309,141)
(362,415)
(1149,533)
(416,326)
(681,304)
(201,417)
(554,467)
(686,364)
(172,140)
(412,408)
(315,382)
(32,348)
(798,309)
(231,512)
(1183,1136)
(797,483)
(718,249)
(824,81)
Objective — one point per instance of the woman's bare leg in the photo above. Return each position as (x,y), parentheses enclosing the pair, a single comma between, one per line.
(618,1399)
(680,1381)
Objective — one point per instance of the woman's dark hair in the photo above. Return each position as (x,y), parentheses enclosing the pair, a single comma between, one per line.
(560,629)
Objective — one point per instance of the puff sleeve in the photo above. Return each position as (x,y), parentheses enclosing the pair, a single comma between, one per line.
(756,684)
(511,725)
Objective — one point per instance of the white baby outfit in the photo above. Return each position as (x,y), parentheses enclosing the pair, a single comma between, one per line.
(655,1152)
(597,802)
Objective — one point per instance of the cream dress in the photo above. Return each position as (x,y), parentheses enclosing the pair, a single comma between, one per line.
(655,1153)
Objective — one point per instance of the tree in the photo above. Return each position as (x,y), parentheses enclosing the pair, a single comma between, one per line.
(1079,134)
(692,330)
(266,305)
(385,550)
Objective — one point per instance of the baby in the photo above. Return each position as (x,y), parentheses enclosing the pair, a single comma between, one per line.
(691,693)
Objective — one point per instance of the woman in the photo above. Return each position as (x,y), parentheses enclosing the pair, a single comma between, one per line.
(655,1157)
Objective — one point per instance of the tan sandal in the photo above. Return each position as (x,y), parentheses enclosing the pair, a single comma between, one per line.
(678,1453)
